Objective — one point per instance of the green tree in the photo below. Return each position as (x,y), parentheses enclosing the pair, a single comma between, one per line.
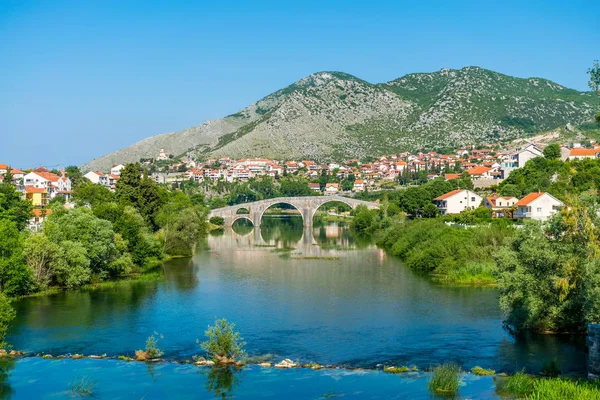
(594,82)
(13,207)
(549,275)
(96,235)
(128,185)
(510,190)
(7,314)
(224,344)
(74,174)
(72,268)
(552,151)
(294,188)
(88,193)
(15,276)
(430,210)
(41,256)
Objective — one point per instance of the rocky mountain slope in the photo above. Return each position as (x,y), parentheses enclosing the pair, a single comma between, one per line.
(333,115)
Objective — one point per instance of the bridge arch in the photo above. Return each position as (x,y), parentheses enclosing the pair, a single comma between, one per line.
(289,203)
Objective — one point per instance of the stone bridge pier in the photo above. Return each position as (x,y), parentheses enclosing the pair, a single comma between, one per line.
(307,206)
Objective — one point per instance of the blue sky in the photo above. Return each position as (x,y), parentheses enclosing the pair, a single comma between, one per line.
(79,79)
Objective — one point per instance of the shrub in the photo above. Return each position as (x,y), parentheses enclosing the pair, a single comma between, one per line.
(482,371)
(445,379)
(224,344)
(152,351)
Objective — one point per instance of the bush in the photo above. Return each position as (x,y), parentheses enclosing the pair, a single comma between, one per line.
(445,379)
(152,351)
(219,221)
(224,344)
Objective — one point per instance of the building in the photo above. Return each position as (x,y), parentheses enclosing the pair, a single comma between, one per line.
(116,169)
(581,153)
(539,206)
(49,181)
(457,201)
(359,186)
(518,158)
(332,188)
(500,205)
(37,196)
(315,187)
(97,177)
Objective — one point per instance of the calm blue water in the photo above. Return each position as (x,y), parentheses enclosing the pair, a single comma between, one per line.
(320,295)
(34,378)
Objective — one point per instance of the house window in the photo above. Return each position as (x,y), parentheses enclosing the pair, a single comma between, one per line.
(472,198)
(539,209)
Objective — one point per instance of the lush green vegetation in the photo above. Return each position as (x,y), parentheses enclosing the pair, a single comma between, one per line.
(445,378)
(223,343)
(560,179)
(105,237)
(453,254)
(549,276)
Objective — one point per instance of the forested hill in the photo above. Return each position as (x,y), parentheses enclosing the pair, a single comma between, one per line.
(333,115)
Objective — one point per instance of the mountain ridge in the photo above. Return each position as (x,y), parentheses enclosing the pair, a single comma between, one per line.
(332,114)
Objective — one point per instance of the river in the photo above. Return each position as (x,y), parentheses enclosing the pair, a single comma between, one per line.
(318,294)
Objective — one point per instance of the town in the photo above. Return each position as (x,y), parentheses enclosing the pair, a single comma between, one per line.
(484,167)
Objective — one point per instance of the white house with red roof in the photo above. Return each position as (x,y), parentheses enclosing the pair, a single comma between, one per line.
(457,201)
(44,179)
(538,205)
(116,169)
(97,177)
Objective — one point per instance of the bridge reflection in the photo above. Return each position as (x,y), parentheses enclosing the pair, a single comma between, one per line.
(290,234)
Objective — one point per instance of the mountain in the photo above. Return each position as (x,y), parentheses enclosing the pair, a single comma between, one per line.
(334,115)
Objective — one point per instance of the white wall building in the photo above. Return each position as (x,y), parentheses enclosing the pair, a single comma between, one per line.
(457,201)
(519,158)
(538,205)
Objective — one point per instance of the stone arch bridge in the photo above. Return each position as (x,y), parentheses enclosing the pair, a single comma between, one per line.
(306,205)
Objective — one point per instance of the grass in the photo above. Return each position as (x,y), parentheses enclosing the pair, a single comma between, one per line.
(518,385)
(83,387)
(473,274)
(397,370)
(445,378)
(482,371)
(559,389)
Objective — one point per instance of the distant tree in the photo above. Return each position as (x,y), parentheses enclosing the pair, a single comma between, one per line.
(13,207)
(510,190)
(430,210)
(128,184)
(594,82)
(88,193)
(293,188)
(74,174)
(552,151)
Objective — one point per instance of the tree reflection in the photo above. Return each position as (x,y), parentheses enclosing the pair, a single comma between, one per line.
(6,365)
(284,230)
(242,226)
(222,381)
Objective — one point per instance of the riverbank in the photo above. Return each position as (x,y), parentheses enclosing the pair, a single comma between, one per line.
(152,273)
(450,255)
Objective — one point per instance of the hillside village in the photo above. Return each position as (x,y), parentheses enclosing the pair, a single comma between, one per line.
(484,166)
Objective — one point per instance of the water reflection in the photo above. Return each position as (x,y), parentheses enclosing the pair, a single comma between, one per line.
(222,381)
(6,365)
(315,294)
